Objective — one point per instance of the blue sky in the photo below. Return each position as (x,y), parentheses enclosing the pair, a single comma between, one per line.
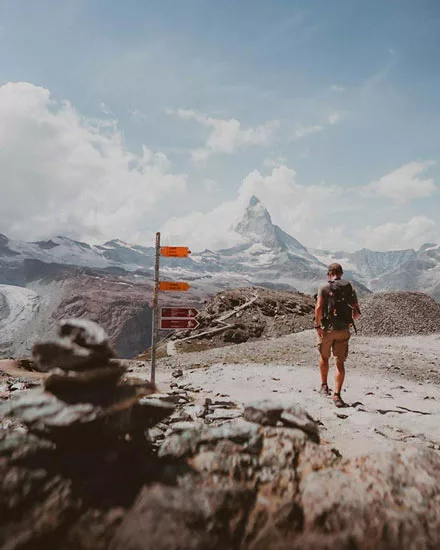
(327,110)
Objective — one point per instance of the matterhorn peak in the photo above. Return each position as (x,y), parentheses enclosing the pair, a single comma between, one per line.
(254,201)
(256,224)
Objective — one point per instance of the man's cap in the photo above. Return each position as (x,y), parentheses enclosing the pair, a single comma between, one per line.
(334,269)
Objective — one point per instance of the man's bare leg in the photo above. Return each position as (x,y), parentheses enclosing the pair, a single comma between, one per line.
(323,368)
(339,380)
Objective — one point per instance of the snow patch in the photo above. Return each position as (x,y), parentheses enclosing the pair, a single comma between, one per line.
(19,307)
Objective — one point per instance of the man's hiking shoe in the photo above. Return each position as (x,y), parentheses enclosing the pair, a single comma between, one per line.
(325,390)
(337,399)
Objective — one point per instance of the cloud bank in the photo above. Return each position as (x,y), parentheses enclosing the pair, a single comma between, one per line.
(402,185)
(319,216)
(63,173)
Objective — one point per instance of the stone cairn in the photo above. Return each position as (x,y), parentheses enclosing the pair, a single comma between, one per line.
(84,402)
(77,452)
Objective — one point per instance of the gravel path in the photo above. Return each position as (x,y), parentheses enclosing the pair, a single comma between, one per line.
(392,385)
(412,357)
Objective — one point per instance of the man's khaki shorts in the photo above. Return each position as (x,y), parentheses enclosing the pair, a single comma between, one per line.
(336,341)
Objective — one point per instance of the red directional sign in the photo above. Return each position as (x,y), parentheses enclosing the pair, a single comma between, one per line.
(179,323)
(186,312)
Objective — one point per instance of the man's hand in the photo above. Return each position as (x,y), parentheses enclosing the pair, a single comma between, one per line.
(356,313)
(320,332)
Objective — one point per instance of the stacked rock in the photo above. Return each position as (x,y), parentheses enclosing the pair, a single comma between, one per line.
(84,401)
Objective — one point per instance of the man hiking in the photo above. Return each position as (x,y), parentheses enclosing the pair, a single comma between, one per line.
(336,309)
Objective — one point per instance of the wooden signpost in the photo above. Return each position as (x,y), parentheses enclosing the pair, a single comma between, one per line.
(170,318)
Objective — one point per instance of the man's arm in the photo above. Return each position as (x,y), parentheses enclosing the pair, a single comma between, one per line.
(318,313)
(356,307)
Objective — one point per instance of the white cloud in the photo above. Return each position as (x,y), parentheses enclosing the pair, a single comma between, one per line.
(63,173)
(273,161)
(297,208)
(200,230)
(137,115)
(303,211)
(303,131)
(334,118)
(211,186)
(396,236)
(403,185)
(227,136)
(337,88)
(319,216)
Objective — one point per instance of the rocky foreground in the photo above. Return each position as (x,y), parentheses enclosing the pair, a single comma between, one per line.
(96,459)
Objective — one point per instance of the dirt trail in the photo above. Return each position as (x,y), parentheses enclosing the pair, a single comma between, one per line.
(392,385)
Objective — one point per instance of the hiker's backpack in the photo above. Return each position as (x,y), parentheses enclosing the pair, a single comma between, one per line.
(339,310)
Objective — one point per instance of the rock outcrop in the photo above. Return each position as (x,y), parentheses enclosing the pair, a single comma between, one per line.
(242,314)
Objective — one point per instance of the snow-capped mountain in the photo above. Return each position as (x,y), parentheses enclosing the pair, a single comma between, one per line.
(267,255)
(67,277)
(406,269)
(368,265)
(62,250)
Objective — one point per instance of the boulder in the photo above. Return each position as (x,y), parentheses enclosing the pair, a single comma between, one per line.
(270,413)
(188,517)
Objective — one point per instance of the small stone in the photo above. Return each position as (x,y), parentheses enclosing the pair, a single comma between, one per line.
(61,382)
(223,414)
(269,413)
(264,412)
(17,386)
(183,426)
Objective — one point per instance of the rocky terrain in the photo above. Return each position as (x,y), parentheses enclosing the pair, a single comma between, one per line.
(120,304)
(399,314)
(237,456)
(239,315)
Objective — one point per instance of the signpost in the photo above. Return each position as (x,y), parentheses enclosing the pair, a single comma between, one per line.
(185,324)
(155,323)
(171,318)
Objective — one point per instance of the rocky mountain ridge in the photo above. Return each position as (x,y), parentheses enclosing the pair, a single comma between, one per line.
(266,255)
(119,276)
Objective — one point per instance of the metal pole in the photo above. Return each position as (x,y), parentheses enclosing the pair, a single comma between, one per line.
(155,324)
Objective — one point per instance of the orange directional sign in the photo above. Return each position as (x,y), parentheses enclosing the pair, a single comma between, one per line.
(175,251)
(185,312)
(173,285)
(179,323)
